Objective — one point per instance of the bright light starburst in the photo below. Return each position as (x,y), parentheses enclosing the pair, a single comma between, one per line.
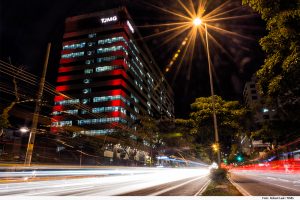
(193,20)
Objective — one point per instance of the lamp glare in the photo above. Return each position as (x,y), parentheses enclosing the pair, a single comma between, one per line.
(197,21)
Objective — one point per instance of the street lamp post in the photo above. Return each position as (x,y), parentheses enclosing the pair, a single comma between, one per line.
(197,22)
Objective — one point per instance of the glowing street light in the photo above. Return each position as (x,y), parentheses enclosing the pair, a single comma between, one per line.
(197,22)
(24,130)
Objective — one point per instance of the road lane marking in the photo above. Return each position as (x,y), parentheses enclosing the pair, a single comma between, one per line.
(239,188)
(203,188)
(271,178)
(284,180)
(174,187)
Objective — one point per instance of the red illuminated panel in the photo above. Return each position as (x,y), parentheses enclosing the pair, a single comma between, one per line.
(65,69)
(62,88)
(63,78)
(59,98)
(57,108)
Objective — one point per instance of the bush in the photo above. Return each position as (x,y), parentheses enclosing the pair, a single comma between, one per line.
(218,174)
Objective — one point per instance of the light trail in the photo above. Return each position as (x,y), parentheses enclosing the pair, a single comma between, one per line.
(111,181)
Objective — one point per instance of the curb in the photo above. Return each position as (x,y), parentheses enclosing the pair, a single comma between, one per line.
(239,188)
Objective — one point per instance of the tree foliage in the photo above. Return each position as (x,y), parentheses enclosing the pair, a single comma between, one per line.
(230,119)
(279,76)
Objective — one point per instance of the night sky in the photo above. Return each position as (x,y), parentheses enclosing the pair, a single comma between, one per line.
(27,26)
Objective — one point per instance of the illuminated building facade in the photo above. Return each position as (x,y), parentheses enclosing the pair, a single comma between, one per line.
(107,77)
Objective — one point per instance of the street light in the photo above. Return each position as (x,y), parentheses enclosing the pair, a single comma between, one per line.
(197,22)
(24,130)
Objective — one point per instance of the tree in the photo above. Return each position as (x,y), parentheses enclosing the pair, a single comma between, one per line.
(278,78)
(230,118)
(4,122)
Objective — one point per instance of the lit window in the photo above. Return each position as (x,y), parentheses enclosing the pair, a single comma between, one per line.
(85,101)
(111,49)
(100,121)
(90,44)
(97,132)
(106,68)
(88,71)
(61,123)
(73,55)
(89,53)
(74,46)
(86,90)
(71,112)
(86,81)
(88,62)
(92,35)
(84,112)
(67,102)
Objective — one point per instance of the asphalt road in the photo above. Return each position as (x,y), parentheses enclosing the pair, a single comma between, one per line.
(266,183)
(114,182)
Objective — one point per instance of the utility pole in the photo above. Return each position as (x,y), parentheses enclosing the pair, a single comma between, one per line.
(36,113)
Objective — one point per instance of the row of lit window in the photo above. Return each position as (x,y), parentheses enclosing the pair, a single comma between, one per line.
(74,46)
(73,55)
(101,120)
(67,102)
(110,98)
(71,112)
(108,59)
(106,68)
(97,132)
(61,123)
(112,40)
(111,49)
(109,109)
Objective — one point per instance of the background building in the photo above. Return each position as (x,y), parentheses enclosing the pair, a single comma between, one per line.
(107,77)
(255,102)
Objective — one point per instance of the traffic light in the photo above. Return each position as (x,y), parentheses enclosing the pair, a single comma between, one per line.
(239,158)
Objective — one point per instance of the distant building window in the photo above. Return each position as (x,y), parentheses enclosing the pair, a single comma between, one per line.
(67,102)
(266,116)
(92,35)
(86,81)
(254,97)
(252,85)
(85,101)
(88,71)
(74,46)
(86,90)
(97,132)
(73,55)
(253,91)
(106,68)
(62,123)
(88,62)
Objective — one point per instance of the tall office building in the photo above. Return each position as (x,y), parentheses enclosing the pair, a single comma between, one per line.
(107,76)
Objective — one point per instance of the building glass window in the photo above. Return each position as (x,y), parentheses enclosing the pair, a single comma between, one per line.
(86,90)
(67,102)
(97,132)
(74,46)
(61,123)
(88,62)
(85,101)
(92,35)
(88,71)
(73,55)
(86,81)
(110,98)
(111,49)
(106,68)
